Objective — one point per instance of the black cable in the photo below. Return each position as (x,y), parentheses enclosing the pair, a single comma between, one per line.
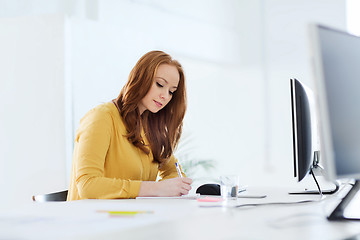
(317,184)
(261,204)
(273,203)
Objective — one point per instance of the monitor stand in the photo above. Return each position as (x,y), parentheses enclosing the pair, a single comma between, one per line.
(348,208)
(317,168)
(324,191)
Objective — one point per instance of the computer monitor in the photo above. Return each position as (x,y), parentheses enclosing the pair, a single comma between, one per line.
(303,130)
(306,142)
(336,58)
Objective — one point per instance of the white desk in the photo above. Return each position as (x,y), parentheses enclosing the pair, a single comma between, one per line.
(177,219)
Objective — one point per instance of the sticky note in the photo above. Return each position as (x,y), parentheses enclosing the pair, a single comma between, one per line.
(210,199)
(124,213)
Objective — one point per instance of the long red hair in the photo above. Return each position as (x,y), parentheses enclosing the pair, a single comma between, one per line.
(162,129)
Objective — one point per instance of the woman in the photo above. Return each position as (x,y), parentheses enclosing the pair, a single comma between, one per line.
(121,146)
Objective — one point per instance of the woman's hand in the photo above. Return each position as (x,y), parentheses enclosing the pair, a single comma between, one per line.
(174,187)
(166,188)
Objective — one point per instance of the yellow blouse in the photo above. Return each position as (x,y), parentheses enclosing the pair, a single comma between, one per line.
(105,164)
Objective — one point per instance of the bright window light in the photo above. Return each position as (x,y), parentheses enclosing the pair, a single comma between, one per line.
(353,17)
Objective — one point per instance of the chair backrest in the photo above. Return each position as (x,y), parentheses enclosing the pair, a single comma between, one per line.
(56,196)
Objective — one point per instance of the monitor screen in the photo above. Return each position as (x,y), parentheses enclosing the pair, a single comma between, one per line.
(336,57)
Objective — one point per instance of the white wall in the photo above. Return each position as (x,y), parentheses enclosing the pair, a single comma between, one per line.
(32,156)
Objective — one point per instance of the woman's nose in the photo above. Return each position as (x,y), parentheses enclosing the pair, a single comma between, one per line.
(164,95)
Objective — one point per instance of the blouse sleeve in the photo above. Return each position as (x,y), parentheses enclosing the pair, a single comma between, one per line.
(168,169)
(93,139)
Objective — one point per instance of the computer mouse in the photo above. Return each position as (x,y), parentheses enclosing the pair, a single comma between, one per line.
(209,189)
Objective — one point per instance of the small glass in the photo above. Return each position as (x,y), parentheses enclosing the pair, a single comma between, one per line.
(229,186)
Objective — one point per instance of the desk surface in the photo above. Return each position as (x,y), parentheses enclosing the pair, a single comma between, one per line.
(178,219)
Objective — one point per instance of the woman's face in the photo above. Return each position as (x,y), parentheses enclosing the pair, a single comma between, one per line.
(164,85)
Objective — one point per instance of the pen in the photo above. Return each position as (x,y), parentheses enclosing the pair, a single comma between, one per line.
(178,169)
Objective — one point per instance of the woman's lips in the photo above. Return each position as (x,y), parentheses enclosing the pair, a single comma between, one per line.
(158,104)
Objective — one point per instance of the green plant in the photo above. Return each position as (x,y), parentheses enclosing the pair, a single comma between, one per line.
(191,165)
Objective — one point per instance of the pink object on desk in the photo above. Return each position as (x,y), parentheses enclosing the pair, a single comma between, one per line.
(210,199)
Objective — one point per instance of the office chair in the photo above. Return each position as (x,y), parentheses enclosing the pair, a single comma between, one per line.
(56,196)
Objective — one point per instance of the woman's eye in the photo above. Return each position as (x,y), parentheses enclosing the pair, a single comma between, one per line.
(159,85)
